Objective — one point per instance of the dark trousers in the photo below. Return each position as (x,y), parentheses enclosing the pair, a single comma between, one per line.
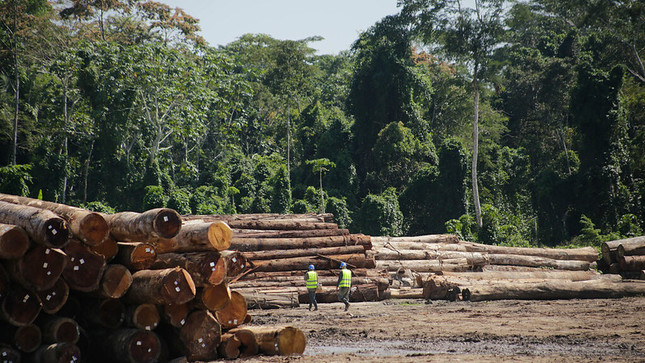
(343,295)
(312,298)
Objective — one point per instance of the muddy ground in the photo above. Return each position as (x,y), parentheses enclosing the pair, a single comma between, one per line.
(590,330)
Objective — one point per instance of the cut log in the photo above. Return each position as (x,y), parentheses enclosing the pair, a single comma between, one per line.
(280,224)
(321,262)
(54,298)
(303,217)
(512,275)
(300,272)
(431,238)
(270,300)
(9,354)
(115,282)
(229,347)
(108,313)
(252,233)
(234,313)
(439,288)
(201,335)
(175,314)
(631,247)
(261,244)
(356,293)
(551,290)
(299,281)
(248,345)
(108,249)
(85,268)
(609,249)
(472,258)
(455,265)
(194,237)
(212,297)
(535,261)
(205,268)
(58,329)
(39,268)
(395,246)
(278,254)
(56,353)
(412,293)
(142,316)
(141,227)
(632,263)
(136,255)
(20,306)
(89,227)
(25,338)
(14,241)
(43,226)
(236,263)
(278,340)
(132,346)
(588,254)
(167,286)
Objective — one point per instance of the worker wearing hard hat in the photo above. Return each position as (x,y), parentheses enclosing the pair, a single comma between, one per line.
(344,284)
(311,278)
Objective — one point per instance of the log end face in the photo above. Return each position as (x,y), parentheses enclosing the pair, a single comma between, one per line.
(178,287)
(291,341)
(220,235)
(93,229)
(28,338)
(68,332)
(146,317)
(116,281)
(56,232)
(216,297)
(167,223)
(14,243)
(144,346)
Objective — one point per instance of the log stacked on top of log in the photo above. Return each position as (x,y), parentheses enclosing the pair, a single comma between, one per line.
(127,287)
(625,257)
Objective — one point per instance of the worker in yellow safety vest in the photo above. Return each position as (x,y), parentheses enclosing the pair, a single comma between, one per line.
(344,284)
(311,278)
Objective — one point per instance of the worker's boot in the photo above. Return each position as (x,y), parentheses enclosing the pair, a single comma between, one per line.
(346,306)
(315,308)
(309,307)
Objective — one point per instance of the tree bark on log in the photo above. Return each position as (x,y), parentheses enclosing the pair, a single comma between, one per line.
(195,237)
(263,300)
(279,254)
(322,262)
(141,227)
(229,347)
(25,338)
(54,298)
(236,262)
(272,233)
(261,244)
(132,345)
(167,286)
(115,282)
(588,254)
(205,268)
(632,263)
(39,268)
(357,293)
(533,261)
(454,265)
(14,241)
(278,340)
(20,307)
(472,258)
(395,246)
(89,227)
(58,329)
(234,313)
(85,268)
(412,293)
(631,247)
(303,217)
(201,335)
(43,226)
(511,275)
(56,353)
(280,225)
(431,238)
(136,255)
(142,316)
(298,281)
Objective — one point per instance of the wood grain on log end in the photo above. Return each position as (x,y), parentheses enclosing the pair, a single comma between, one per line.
(167,223)
(201,335)
(116,281)
(85,267)
(20,307)
(178,287)
(14,241)
(93,229)
(41,266)
(28,338)
(220,235)
(234,313)
(108,248)
(215,297)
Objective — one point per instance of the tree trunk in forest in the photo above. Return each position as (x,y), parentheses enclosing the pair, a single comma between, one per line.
(89,227)
(193,237)
(205,268)
(14,241)
(277,340)
(141,227)
(234,313)
(136,255)
(43,226)
(167,286)
(261,244)
(200,335)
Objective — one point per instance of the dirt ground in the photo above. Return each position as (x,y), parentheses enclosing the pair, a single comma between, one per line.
(396,331)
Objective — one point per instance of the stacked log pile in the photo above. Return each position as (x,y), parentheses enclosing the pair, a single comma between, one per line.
(279,249)
(444,267)
(126,287)
(625,257)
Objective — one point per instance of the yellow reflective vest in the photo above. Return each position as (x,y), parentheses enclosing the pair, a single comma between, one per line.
(346,279)
(312,279)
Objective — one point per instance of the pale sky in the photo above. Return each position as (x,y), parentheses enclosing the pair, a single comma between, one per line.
(338,21)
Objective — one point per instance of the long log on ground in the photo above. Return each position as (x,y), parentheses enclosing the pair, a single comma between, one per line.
(631,247)
(248,345)
(261,244)
(200,335)
(39,268)
(56,353)
(411,293)
(535,261)
(54,298)
(510,268)
(205,268)
(551,290)
(26,338)
(85,268)
(20,307)
(263,300)
(395,246)
(14,241)
(542,274)
(131,345)
(587,254)
(115,282)
(136,255)
(43,226)
(212,297)
(609,250)
(58,329)
(252,275)
(431,238)
(455,265)
(281,224)
(277,340)
(272,233)
(305,217)
(473,258)
(322,262)
(194,237)
(632,263)
(229,347)
(234,313)
(299,281)
(142,316)
(167,286)
(278,254)
(140,227)
(89,227)
(357,293)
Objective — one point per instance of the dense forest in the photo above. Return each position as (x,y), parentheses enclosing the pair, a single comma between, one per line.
(517,123)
